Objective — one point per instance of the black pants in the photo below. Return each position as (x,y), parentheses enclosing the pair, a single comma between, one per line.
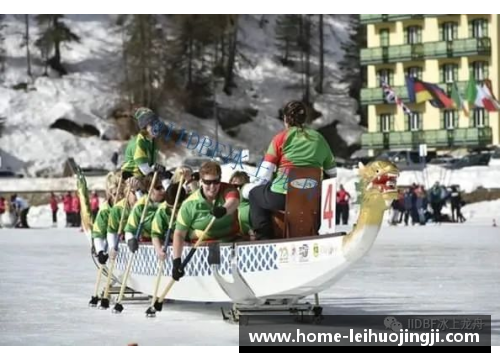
(436,211)
(342,213)
(54,216)
(262,202)
(24,218)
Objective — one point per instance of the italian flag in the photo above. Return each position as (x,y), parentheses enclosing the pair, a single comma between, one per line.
(481,95)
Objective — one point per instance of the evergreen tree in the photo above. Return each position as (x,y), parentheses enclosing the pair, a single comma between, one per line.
(3,52)
(54,32)
(143,55)
(350,64)
(287,33)
(26,43)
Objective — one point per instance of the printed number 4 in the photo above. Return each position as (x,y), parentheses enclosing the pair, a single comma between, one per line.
(328,211)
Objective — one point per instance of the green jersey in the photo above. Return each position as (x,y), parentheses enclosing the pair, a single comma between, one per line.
(244,216)
(139,150)
(135,217)
(100,226)
(294,148)
(194,216)
(161,220)
(115,216)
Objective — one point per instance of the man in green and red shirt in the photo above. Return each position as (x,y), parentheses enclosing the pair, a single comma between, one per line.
(213,199)
(296,146)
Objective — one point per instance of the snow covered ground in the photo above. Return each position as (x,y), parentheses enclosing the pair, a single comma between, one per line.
(47,278)
(89,93)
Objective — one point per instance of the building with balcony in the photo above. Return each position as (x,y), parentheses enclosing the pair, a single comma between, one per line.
(442,49)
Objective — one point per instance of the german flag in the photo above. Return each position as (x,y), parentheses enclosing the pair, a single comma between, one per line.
(419,92)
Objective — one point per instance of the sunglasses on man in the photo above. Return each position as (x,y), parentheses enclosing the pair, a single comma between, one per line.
(211,182)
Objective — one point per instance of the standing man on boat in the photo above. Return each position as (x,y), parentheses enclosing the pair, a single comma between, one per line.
(141,152)
(296,146)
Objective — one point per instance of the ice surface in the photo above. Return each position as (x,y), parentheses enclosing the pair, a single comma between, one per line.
(47,278)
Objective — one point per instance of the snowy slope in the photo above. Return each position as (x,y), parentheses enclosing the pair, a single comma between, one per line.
(84,96)
(89,93)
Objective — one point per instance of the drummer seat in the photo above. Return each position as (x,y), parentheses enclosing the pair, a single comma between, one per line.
(303,202)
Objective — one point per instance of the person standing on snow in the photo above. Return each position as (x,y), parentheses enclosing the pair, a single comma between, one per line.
(68,209)
(94,204)
(53,208)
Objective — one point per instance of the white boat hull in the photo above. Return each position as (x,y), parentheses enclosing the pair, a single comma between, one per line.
(272,270)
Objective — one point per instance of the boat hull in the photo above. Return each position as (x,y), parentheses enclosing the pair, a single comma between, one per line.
(290,269)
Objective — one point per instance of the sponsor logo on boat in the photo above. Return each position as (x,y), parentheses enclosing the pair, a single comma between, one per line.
(293,254)
(283,252)
(316,250)
(304,252)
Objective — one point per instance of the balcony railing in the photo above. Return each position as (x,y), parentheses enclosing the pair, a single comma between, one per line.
(376,95)
(471,46)
(380,18)
(441,138)
(374,55)
(437,49)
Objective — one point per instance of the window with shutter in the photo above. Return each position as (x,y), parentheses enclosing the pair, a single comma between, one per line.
(478,28)
(448,31)
(414,121)
(480,117)
(384,37)
(385,122)
(413,35)
(450,119)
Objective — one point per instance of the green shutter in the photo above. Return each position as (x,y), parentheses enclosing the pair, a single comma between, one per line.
(441,73)
(472,116)
(441,119)
(486,118)
(486,70)
(379,124)
(455,30)
(391,125)
(485,27)
(391,78)
(455,119)
(406,36)
(471,29)
(455,72)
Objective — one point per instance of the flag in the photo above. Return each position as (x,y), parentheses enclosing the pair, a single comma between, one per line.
(490,99)
(481,95)
(457,99)
(391,97)
(420,92)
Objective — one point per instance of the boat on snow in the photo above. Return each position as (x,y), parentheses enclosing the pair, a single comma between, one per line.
(286,270)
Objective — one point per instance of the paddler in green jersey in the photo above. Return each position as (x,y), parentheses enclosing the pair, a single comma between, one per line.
(162,218)
(119,214)
(100,225)
(238,180)
(213,199)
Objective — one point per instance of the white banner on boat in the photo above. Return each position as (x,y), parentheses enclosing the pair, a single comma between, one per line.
(328,206)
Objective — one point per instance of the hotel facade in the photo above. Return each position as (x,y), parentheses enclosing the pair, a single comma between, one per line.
(442,49)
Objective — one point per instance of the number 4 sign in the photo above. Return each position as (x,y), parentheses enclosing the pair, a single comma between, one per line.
(328,206)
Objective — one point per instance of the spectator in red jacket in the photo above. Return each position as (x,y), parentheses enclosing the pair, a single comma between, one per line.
(94,204)
(75,206)
(2,205)
(343,198)
(68,209)
(53,206)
